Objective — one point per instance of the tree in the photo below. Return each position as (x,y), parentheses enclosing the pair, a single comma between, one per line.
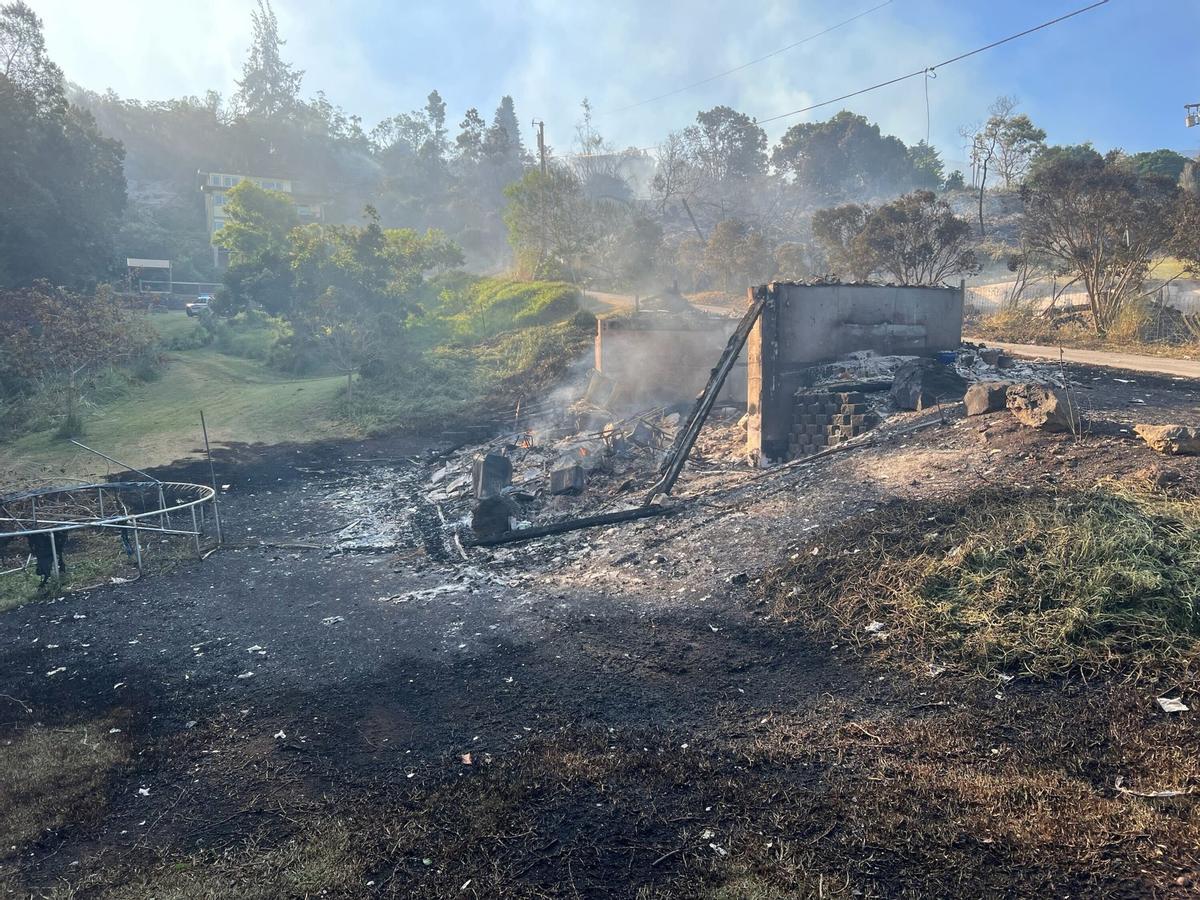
(64,188)
(1100,222)
(838,231)
(1165,163)
(269,87)
(469,143)
(1018,142)
(917,239)
(927,166)
(549,223)
(257,221)
(726,144)
(737,255)
(503,140)
(53,341)
(848,158)
(1006,143)
(23,58)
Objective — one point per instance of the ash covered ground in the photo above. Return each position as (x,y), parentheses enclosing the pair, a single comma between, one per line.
(340,703)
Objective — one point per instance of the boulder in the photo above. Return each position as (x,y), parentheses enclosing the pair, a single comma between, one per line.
(568,480)
(986,397)
(490,474)
(1172,439)
(1043,407)
(491,517)
(922,383)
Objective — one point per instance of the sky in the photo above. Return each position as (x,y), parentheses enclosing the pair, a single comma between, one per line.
(1117,76)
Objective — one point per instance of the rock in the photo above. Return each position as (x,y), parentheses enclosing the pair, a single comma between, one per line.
(490,474)
(986,397)
(1042,407)
(568,480)
(922,383)
(1172,439)
(491,517)
(990,355)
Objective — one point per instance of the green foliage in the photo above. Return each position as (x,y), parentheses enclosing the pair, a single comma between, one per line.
(848,158)
(1165,163)
(64,188)
(494,305)
(727,144)
(269,87)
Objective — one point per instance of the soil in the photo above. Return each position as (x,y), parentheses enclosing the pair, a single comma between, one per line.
(600,713)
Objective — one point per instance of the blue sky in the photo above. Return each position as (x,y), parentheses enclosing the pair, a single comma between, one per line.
(1118,75)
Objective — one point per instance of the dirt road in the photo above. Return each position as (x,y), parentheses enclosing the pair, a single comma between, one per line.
(1181,368)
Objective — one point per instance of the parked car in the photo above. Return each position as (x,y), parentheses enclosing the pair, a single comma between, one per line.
(199,305)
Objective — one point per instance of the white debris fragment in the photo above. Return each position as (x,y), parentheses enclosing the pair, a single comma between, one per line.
(144,792)
(1172,705)
(280,735)
(246,675)
(56,671)
(874,627)
(333,620)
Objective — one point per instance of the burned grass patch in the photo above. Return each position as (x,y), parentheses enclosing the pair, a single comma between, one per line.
(53,778)
(1046,583)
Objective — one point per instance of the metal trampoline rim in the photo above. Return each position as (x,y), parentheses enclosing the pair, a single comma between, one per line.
(206,495)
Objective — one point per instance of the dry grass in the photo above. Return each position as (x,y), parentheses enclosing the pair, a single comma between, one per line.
(1046,584)
(54,778)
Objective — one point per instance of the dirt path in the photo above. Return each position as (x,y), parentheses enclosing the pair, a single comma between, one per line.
(1132,362)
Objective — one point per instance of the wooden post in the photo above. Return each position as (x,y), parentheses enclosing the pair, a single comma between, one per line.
(213,475)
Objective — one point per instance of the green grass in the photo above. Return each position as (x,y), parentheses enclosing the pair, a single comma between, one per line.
(1031,583)
(157,422)
(173,325)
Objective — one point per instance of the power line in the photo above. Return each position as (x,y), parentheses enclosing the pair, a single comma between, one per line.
(746,65)
(926,71)
(935,66)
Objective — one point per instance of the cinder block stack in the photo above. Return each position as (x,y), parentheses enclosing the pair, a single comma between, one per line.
(824,419)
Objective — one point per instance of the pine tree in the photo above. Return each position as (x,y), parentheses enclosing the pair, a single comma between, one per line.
(269,87)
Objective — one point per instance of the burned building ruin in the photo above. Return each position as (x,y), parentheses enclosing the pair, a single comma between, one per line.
(803,326)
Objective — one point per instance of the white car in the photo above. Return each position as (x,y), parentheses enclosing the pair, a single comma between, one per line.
(199,305)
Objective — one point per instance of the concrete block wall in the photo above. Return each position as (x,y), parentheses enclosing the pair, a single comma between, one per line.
(803,325)
(822,419)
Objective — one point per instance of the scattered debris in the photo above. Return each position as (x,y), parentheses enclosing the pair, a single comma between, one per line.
(1172,705)
(333,620)
(1119,781)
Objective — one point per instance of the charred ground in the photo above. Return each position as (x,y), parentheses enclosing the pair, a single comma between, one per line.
(620,712)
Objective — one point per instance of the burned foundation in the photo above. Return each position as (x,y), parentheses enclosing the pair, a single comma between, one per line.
(803,326)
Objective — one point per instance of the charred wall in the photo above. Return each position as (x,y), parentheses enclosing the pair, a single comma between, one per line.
(803,325)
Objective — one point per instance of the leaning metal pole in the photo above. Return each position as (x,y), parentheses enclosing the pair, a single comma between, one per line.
(675,460)
(116,461)
(212,473)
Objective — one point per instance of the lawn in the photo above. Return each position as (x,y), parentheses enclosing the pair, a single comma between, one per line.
(157,422)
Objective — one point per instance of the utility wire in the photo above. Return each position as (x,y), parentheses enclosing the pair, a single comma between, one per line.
(927,71)
(746,65)
(935,66)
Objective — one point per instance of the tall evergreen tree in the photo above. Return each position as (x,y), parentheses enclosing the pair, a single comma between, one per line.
(269,86)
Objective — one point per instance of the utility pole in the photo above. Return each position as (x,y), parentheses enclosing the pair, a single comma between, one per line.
(541,127)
